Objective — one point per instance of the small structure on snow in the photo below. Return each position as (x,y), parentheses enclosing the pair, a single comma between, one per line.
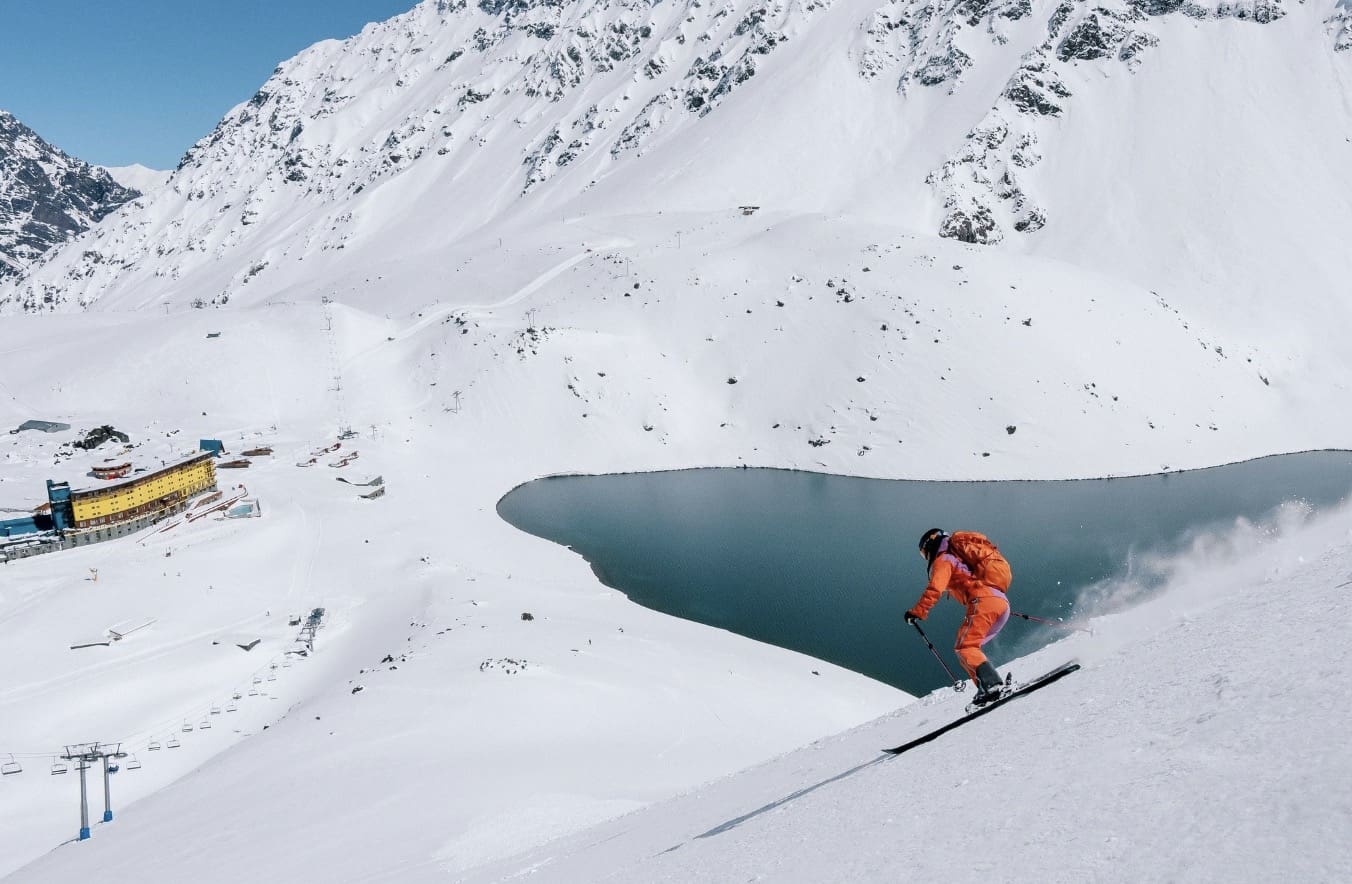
(248,508)
(245,642)
(119,631)
(40,426)
(378,480)
(112,471)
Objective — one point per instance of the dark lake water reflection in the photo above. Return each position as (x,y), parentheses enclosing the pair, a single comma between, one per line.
(827,565)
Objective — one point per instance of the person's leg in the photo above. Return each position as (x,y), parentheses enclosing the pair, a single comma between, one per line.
(999,624)
(986,616)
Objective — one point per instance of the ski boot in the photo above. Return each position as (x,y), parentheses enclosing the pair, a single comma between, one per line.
(989,686)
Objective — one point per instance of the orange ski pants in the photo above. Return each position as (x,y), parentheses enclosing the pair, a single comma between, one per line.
(986,616)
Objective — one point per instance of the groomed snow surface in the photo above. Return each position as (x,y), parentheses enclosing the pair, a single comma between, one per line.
(1203,740)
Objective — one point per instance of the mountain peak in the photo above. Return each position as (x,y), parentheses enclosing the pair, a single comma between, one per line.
(46,196)
(953,118)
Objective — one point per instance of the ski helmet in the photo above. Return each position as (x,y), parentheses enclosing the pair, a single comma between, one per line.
(930,540)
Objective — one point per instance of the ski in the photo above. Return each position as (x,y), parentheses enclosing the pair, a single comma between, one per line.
(1040,682)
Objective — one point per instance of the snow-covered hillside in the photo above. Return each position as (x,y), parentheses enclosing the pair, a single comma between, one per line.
(426,678)
(511,239)
(1179,171)
(1192,746)
(1202,741)
(1148,138)
(139,178)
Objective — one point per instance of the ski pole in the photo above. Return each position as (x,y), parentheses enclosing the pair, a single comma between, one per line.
(1037,619)
(1052,622)
(958,684)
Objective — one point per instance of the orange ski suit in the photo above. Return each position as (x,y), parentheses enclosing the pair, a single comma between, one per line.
(987,607)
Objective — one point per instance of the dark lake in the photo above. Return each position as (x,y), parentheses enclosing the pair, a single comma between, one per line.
(827,565)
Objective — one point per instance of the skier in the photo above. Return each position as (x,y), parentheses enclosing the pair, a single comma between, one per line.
(968,567)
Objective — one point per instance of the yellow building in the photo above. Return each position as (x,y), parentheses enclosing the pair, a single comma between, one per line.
(161,490)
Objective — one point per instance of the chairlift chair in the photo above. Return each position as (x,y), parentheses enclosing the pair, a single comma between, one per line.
(10,767)
(215,710)
(231,708)
(172,743)
(59,767)
(205,725)
(114,767)
(187,727)
(253,692)
(134,763)
(154,746)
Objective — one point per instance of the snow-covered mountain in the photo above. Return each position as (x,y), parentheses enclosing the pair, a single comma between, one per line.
(512,239)
(46,197)
(139,178)
(463,158)
(1068,129)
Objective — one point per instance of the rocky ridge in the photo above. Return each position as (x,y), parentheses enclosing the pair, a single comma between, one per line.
(981,184)
(432,86)
(46,197)
(550,100)
(1340,26)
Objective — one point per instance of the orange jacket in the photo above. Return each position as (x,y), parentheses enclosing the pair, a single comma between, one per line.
(949,574)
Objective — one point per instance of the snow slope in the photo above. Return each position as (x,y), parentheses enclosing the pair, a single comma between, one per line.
(1201,741)
(462,157)
(139,178)
(1197,151)
(555,719)
(486,315)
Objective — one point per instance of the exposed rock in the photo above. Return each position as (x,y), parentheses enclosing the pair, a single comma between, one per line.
(1340,26)
(1089,40)
(942,68)
(97,436)
(1158,7)
(46,197)
(979,227)
(1029,100)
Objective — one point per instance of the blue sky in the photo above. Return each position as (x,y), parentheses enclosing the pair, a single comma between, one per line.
(116,82)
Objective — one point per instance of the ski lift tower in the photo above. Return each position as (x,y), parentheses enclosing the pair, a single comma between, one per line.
(345,430)
(86,754)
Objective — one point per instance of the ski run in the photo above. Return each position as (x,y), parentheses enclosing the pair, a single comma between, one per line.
(489,242)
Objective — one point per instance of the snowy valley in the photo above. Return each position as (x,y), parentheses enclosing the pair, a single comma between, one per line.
(510,239)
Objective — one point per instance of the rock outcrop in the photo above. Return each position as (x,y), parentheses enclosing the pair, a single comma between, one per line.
(46,197)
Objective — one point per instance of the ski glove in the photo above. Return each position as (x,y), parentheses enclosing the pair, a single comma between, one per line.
(912,617)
